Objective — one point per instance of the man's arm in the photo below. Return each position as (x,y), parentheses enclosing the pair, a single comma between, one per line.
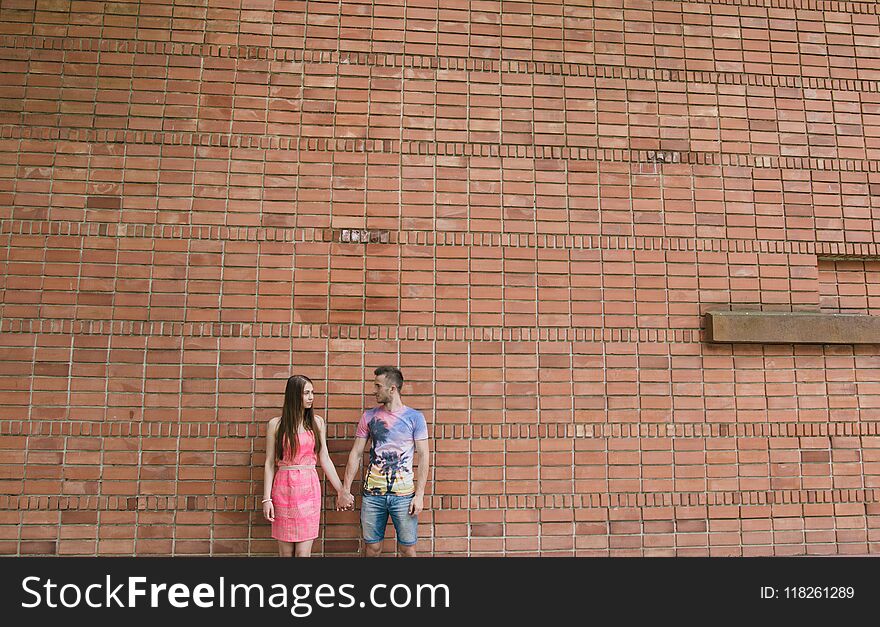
(421,478)
(355,457)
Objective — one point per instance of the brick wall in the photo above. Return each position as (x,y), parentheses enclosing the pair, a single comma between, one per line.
(566,186)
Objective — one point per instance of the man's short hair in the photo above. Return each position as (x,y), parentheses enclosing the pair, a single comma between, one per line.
(392,375)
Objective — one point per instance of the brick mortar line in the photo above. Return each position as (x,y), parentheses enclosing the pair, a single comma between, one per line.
(591,500)
(59,326)
(443,63)
(312,235)
(839,6)
(836,6)
(403,333)
(488,431)
(435,149)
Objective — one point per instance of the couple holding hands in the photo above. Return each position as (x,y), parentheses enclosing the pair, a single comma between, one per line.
(296,441)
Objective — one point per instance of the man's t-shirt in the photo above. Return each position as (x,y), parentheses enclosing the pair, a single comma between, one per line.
(393,436)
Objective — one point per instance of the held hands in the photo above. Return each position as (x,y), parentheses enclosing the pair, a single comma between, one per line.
(344,500)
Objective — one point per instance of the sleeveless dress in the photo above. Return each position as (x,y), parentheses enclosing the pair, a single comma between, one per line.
(296,493)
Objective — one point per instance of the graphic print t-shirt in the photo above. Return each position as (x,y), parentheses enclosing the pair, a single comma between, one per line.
(393,438)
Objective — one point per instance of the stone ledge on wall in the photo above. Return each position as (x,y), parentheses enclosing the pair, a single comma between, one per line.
(783,327)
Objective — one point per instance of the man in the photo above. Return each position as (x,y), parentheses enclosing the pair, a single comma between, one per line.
(390,487)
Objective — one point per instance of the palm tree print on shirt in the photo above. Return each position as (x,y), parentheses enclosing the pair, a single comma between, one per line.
(379,432)
(389,463)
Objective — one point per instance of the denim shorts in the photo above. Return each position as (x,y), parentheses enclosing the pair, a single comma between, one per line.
(374,516)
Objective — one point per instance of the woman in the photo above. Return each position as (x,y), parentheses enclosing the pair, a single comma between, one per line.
(295,441)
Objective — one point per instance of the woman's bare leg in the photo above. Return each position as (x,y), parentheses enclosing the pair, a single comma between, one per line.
(304,549)
(285,549)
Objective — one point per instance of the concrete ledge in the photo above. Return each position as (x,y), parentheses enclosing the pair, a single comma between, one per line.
(780,327)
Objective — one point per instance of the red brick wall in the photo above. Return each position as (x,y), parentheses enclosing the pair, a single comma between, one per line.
(567,187)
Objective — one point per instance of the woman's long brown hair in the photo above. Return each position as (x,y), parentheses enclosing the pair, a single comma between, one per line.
(294,414)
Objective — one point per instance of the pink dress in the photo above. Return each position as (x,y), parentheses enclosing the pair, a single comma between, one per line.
(296,493)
